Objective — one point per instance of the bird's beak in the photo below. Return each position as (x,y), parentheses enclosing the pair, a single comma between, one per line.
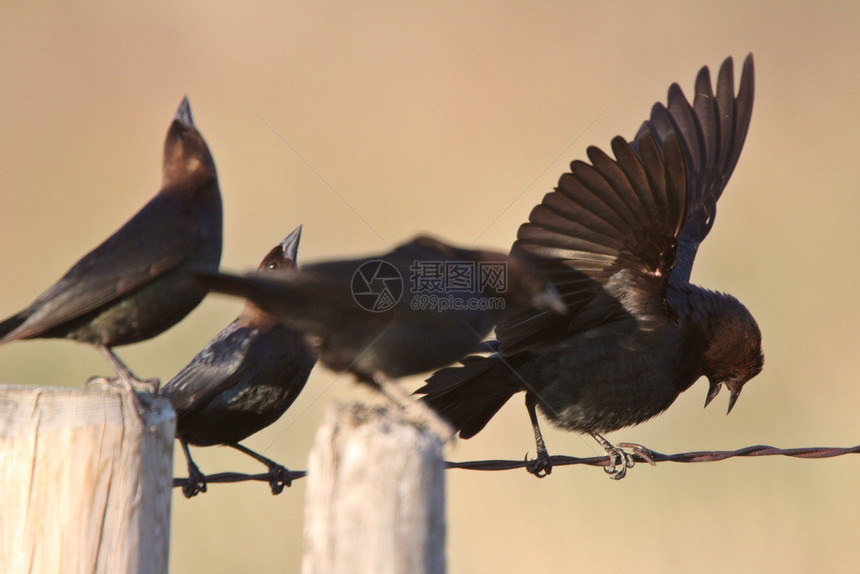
(183,113)
(290,244)
(713,391)
(733,398)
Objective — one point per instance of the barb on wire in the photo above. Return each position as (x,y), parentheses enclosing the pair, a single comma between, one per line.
(562,460)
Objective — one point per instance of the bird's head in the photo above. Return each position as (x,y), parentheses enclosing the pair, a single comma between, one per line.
(734,354)
(283,256)
(186,154)
(280,260)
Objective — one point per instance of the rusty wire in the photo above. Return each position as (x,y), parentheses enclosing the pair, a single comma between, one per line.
(701,456)
(239,477)
(562,460)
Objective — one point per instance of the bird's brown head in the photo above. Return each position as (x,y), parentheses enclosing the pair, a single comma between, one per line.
(283,256)
(281,259)
(186,155)
(734,354)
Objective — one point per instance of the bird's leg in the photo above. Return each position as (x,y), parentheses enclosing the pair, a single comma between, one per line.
(279,476)
(392,390)
(542,465)
(619,459)
(419,412)
(128,378)
(196,481)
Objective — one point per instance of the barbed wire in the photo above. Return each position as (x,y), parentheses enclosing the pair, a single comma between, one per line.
(563,460)
(657,457)
(227,477)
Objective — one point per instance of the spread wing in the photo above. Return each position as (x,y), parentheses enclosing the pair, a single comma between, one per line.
(606,238)
(712,132)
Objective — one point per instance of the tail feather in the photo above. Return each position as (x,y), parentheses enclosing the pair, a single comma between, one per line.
(278,293)
(7,327)
(470,395)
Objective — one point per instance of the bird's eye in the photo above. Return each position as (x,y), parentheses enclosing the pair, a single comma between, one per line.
(273,265)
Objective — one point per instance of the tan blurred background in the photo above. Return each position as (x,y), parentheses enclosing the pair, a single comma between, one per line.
(369,122)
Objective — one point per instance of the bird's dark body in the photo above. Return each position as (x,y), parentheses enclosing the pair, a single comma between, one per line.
(618,238)
(619,374)
(258,373)
(616,375)
(407,338)
(247,376)
(137,283)
(243,380)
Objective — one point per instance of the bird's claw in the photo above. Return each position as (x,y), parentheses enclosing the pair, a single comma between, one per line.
(102,382)
(279,477)
(136,398)
(193,487)
(146,385)
(195,483)
(619,461)
(540,466)
(625,459)
(143,386)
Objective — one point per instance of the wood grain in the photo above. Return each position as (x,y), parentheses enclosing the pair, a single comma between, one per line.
(375,499)
(85,485)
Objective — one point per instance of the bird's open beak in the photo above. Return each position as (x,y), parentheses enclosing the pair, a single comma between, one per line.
(733,398)
(713,391)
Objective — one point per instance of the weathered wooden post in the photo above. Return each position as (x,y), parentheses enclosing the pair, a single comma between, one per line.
(375,499)
(85,486)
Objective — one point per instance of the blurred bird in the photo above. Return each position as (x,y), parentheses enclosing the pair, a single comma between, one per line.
(136,284)
(618,239)
(242,381)
(362,319)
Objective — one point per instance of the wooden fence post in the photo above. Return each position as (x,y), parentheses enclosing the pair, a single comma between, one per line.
(375,499)
(85,486)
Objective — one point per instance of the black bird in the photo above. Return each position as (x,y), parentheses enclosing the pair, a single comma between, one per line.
(242,381)
(136,284)
(423,305)
(618,239)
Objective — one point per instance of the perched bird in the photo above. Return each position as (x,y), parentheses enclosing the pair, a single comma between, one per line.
(136,284)
(423,305)
(242,381)
(618,238)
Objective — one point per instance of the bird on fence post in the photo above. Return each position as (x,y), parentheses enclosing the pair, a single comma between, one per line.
(137,284)
(618,239)
(420,306)
(243,380)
